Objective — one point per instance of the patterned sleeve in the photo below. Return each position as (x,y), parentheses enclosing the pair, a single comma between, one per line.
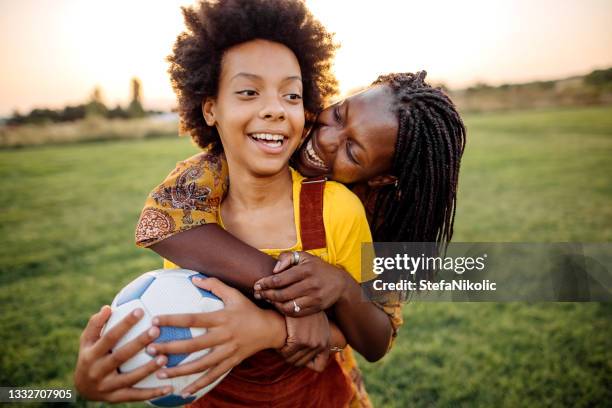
(189,196)
(393,309)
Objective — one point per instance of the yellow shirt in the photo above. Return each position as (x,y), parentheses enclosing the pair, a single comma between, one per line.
(190,196)
(192,192)
(346,227)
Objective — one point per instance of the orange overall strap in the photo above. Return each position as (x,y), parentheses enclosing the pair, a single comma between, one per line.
(311,213)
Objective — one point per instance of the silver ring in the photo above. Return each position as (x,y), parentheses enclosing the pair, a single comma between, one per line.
(296,258)
(336,349)
(296,308)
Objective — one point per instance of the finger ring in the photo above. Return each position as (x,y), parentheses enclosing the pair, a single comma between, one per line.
(336,349)
(296,308)
(296,258)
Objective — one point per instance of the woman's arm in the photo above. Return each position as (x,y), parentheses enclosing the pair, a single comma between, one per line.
(317,285)
(215,252)
(367,327)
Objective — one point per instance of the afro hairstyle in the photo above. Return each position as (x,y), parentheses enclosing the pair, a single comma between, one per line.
(212,27)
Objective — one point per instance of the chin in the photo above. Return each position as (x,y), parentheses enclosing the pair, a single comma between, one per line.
(269,169)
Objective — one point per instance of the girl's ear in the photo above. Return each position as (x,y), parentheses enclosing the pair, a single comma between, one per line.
(208,110)
(380,181)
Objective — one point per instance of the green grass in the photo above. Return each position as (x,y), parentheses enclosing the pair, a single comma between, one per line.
(67,220)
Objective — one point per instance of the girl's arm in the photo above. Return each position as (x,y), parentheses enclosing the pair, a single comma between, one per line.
(96,376)
(234,333)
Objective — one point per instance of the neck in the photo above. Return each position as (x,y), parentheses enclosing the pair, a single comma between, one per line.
(368,196)
(250,192)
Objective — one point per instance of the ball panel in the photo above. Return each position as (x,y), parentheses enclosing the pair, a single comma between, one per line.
(208,304)
(171,295)
(203,292)
(171,400)
(134,289)
(171,333)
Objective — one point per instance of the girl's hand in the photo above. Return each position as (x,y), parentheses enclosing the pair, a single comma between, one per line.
(308,341)
(96,376)
(312,285)
(236,332)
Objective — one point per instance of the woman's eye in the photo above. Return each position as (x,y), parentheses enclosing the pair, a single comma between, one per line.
(349,152)
(337,114)
(247,92)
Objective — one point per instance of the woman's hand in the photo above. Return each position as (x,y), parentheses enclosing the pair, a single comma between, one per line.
(308,341)
(236,332)
(309,287)
(96,376)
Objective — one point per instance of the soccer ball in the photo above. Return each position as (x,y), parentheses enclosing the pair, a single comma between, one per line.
(164,291)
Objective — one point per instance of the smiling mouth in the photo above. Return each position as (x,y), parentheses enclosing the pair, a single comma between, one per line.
(312,157)
(268,139)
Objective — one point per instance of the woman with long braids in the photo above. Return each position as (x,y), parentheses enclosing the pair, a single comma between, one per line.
(430,142)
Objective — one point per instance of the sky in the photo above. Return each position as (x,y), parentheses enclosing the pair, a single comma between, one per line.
(54,52)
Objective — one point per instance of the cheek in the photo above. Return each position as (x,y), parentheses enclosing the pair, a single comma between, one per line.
(296,116)
(345,172)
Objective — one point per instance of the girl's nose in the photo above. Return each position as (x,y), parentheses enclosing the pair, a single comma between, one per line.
(272,110)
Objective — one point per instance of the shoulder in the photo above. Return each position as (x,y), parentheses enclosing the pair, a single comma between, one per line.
(340,201)
(344,215)
(204,161)
(346,227)
(189,196)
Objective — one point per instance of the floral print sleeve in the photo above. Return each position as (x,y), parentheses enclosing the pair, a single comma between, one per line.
(189,196)
(393,309)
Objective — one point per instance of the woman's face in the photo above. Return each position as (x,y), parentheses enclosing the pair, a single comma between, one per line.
(258,109)
(353,140)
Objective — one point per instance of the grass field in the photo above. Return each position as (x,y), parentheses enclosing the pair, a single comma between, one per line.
(66,246)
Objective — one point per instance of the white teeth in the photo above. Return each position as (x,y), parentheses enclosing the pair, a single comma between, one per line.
(312,155)
(267,136)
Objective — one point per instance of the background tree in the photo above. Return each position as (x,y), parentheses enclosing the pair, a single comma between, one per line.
(135,109)
(95,106)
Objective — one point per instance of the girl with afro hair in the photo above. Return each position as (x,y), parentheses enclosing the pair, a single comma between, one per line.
(248,74)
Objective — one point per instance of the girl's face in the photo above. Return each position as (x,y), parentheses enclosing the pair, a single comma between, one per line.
(353,140)
(258,109)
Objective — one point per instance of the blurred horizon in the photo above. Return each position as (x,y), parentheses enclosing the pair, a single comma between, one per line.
(59,51)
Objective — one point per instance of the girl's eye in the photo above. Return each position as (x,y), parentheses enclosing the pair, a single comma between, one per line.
(294,97)
(247,92)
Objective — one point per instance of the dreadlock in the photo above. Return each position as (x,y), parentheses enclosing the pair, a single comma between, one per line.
(430,142)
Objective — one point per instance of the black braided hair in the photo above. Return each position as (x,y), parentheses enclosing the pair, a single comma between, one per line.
(430,142)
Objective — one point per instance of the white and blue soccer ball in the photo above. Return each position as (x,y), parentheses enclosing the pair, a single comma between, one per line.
(164,291)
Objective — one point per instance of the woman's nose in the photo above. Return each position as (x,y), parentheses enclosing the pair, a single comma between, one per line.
(272,110)
(329,140)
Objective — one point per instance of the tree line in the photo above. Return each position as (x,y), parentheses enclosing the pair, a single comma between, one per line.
(94,107)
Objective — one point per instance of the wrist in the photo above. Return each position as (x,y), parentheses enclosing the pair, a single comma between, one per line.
(345,282)
(275,331)
(350,293)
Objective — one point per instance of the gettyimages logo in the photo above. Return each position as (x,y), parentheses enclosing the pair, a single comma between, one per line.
(491,272)
(410,264)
